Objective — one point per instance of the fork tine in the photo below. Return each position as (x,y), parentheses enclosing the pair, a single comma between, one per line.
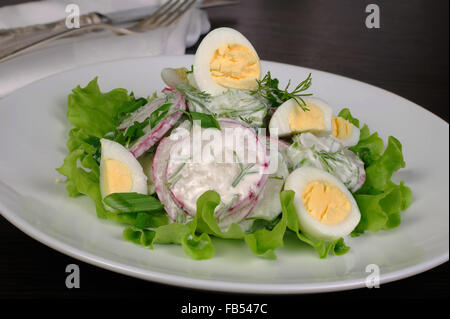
(168,13)
(158,13)
(176,15)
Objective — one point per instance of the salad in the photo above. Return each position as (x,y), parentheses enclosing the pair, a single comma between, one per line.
(224,152)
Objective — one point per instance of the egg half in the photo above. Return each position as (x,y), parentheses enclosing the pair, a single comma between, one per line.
(120,172)
(344,131)
(290,118)
(325,208)
(226,59)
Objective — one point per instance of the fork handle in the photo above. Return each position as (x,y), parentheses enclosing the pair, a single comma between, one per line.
(18,40)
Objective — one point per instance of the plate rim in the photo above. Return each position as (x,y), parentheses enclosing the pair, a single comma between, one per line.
(205,284)
(212,285)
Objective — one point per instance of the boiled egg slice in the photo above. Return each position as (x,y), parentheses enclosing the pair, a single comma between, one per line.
(120,172)
(344,131)
(226,59)
(291,118)
(325,208)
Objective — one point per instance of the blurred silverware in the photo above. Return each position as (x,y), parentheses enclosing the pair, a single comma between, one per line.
(17,41)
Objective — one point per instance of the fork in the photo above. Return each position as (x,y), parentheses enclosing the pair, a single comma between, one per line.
(164,16)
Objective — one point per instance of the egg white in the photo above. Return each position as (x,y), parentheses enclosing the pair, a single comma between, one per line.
(352,140)
(297,181)
(206,50)
(279,123)
(114,150)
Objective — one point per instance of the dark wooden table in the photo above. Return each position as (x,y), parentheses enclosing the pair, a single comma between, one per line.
(408,55)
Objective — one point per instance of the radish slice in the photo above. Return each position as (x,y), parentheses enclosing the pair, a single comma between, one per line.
(362,171)
(159,177)
(153,135)
(142,113)
(190,176)
(269,206)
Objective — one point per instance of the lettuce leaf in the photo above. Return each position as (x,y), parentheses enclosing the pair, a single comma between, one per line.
(382,211)
(206,223)
(263,242)
(379,172)
(195,246)
(345,114)
(194,236)
(323,248)
(380,200)
(93,114)
(83,179)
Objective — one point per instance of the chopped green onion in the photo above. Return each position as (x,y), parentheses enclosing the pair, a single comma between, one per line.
(158,114)
(133,202)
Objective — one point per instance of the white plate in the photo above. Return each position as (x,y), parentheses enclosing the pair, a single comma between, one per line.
(33,131)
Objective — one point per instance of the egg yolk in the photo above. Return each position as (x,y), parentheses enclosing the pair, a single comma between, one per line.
(235,66)
(341,128)
(301,120)
(116,177)
(325,202)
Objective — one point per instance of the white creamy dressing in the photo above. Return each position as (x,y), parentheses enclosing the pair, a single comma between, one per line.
(239,104)
(189,175)
(328,154)
(269,206)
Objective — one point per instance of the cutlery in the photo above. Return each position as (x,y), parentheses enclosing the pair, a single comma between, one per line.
(19,40)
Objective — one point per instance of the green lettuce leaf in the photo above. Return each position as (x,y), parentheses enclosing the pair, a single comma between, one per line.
(93,114)
(263,242)
(323,248)
(382,211)
(194,236)
(379,172)
(380,200)
(196,247)
(345,114)
(206,222)
(83,179)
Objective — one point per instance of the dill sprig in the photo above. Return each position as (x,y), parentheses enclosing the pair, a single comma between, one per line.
(268,89)
(244,171)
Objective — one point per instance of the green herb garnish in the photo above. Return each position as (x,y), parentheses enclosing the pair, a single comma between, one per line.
(191,70)
(131,134)
(197,100)
(206,120)
(127,108)
(133,202)
(175,177)
(244,172)
(158,114)
(268,89)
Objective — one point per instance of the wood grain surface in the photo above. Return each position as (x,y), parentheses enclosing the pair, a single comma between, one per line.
(408,55)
